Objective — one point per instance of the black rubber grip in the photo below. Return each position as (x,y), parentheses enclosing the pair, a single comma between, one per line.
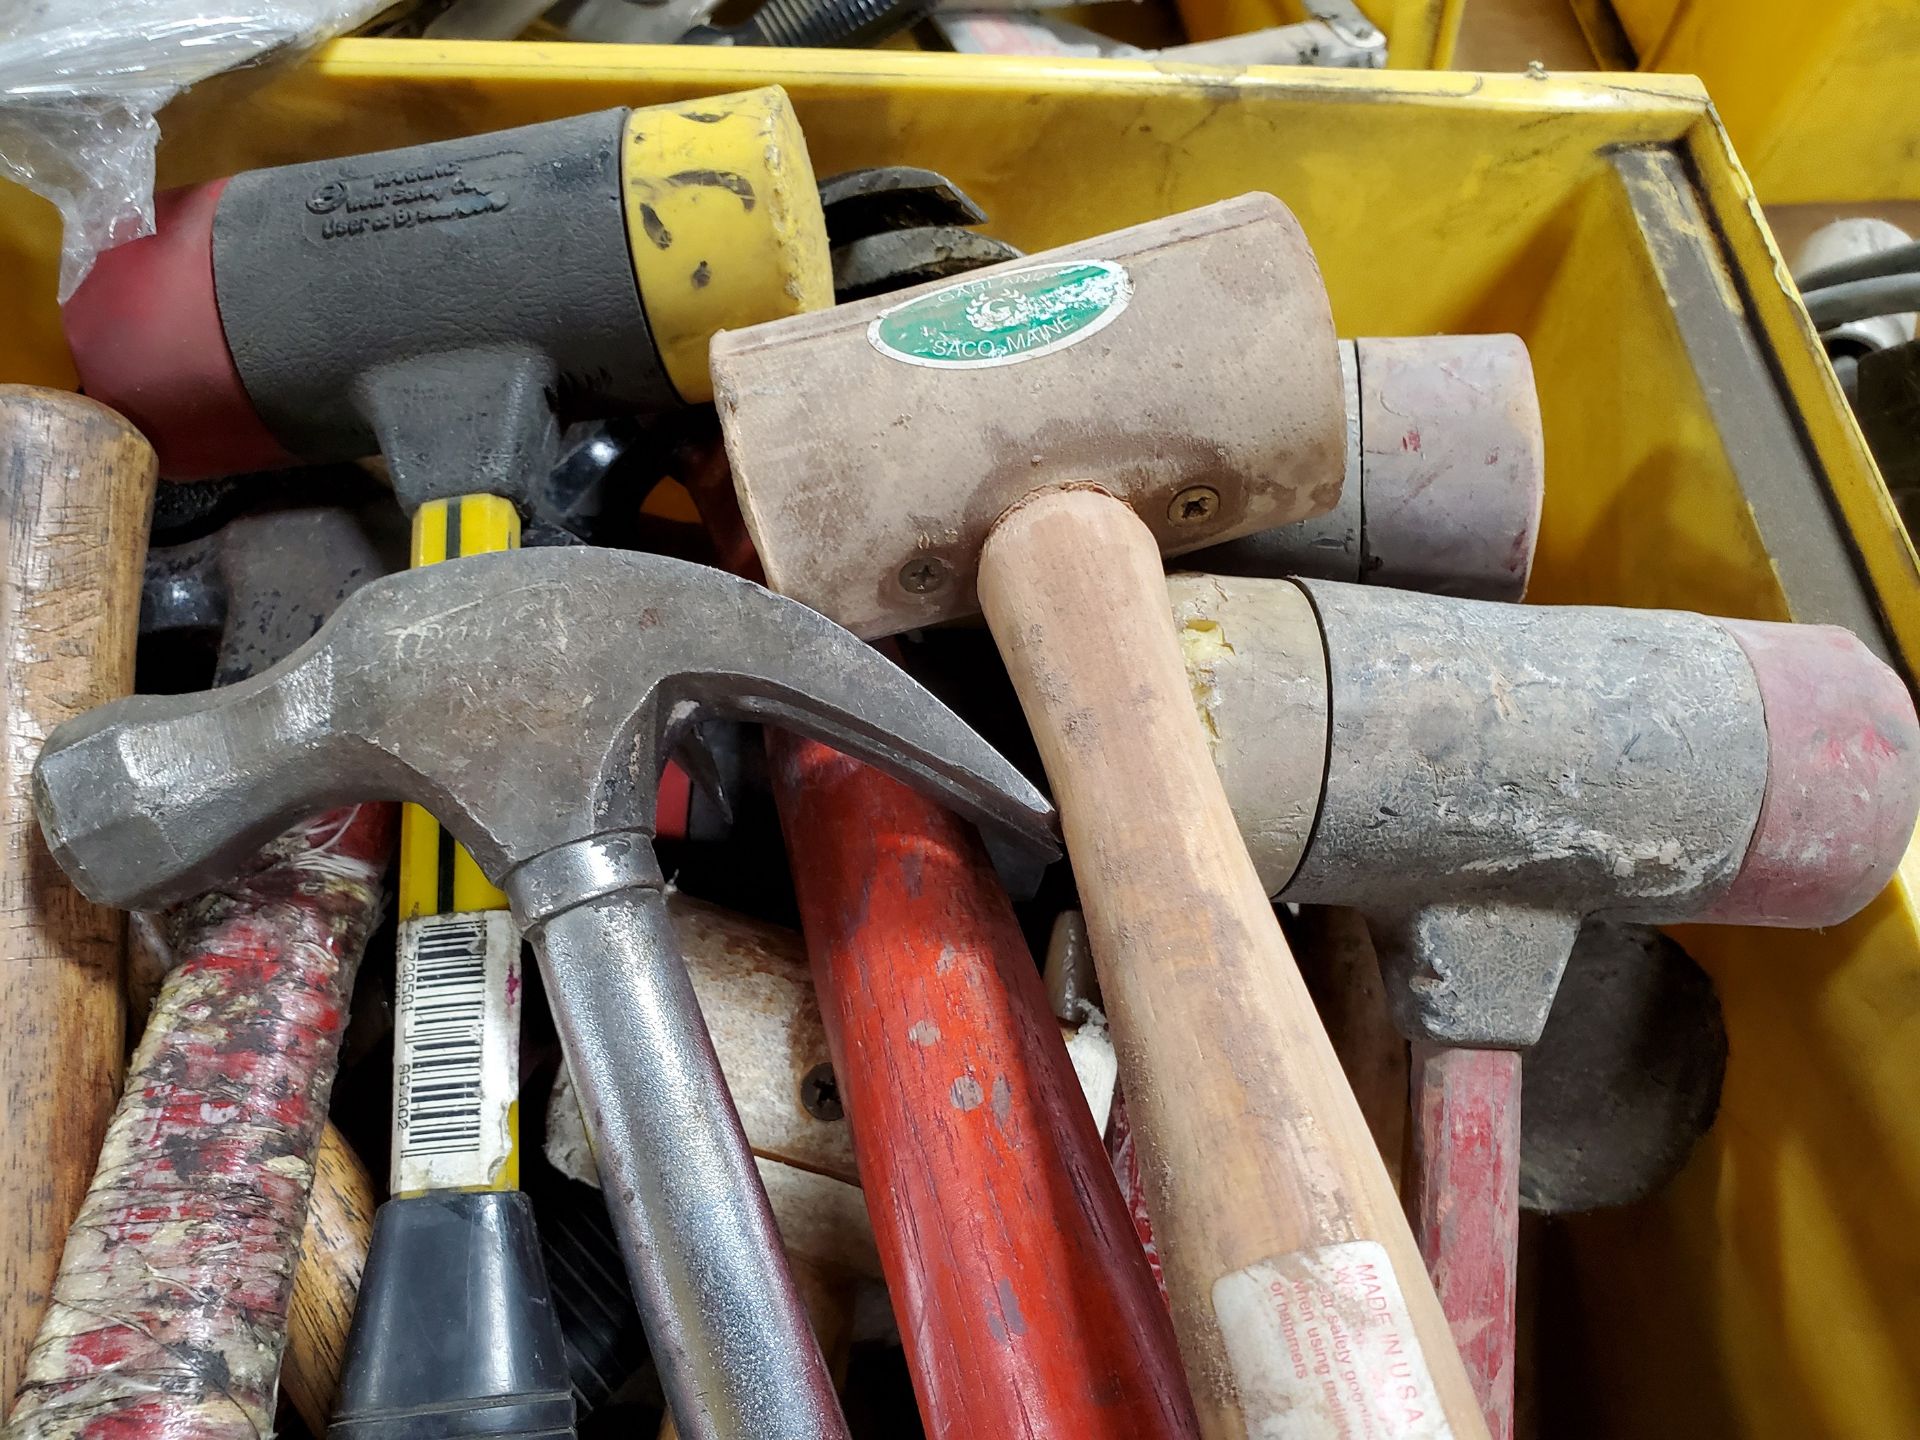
(455,1335)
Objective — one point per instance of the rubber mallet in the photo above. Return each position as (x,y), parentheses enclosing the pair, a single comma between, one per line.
(1026,442)
(1444,478)
(1481,779)
(76,483)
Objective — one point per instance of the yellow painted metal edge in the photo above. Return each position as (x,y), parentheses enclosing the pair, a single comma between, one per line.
(1886,551)
(1829,1249)
(814,74)
(1422,34)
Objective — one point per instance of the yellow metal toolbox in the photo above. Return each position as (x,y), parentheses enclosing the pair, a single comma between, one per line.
(1699,454)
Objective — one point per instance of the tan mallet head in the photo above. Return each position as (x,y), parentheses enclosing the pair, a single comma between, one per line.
(1187,366)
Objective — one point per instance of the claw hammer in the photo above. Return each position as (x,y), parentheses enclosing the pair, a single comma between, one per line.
(630,236)
(544,762)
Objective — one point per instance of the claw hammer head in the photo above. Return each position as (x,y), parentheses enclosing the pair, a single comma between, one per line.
(527,699)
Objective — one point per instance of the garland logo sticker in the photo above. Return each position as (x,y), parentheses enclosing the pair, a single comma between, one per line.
(1004,319)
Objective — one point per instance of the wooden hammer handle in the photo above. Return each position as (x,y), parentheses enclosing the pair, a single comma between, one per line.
(76,485)
(1277,1224)
(333,1252)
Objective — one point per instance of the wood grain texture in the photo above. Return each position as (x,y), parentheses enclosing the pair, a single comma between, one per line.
(333,1252)
(1464,1201)
(1023,1299)
(1253,1145)
(76,484)
(1343,976)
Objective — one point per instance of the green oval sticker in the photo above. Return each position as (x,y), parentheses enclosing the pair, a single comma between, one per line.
(1006,318)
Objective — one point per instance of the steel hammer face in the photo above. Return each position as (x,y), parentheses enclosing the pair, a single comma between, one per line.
(577,669)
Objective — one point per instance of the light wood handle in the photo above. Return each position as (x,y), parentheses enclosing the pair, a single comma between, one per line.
(333,1252)
(1274,1217)
(76,487)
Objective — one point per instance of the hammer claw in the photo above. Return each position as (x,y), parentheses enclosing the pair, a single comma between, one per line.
(413,692)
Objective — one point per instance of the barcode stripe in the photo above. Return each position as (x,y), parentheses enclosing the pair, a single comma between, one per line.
(442,1077)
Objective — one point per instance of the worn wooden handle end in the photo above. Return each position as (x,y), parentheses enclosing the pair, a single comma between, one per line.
(76,487)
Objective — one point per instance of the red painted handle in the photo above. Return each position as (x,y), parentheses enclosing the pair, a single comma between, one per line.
(1022,1294)
(1464,1202)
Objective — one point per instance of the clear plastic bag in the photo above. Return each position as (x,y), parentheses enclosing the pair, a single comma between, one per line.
(80,82)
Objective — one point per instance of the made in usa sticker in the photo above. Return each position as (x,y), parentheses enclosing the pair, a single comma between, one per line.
(1322,1345)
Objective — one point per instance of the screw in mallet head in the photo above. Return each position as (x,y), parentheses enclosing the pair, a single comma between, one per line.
(923,574)
(820,1094)
(1193,505)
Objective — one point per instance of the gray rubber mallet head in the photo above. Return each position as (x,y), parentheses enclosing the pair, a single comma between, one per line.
(524,698)
(1492,776)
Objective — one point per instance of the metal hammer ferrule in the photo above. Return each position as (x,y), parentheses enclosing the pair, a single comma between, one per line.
(574,874)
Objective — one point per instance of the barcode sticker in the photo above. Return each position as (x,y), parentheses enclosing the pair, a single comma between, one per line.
(456,1056)
(1321,1344)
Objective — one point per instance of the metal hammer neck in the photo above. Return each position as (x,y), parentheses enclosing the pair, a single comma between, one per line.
(573,874)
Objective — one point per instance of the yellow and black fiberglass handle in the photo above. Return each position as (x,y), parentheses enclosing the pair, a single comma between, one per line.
(718,226)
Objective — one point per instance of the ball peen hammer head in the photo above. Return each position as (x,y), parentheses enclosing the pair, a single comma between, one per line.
(1187,366)
(527,699)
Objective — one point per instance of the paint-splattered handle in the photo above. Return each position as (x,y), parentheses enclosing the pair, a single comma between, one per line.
(169,1314)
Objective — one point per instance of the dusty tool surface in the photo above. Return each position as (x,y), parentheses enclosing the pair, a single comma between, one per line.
(885,547)
(1492,779)
(1027,442)
(1446,471)
(75,484)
